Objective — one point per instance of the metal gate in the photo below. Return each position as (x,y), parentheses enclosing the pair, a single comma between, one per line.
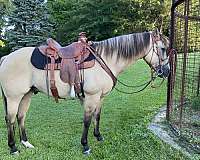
(183,100)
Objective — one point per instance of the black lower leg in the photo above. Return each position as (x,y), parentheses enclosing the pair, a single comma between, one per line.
(97,133)
(11,135)
(22,131)
(84,142)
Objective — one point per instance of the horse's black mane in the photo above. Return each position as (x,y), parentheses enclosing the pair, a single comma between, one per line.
(125,46)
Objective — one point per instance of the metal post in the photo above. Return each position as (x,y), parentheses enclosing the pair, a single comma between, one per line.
(169,87)
(170,84)
(182,99)
(198,83)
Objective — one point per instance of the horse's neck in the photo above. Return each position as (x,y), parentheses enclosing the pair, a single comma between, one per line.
(119,65)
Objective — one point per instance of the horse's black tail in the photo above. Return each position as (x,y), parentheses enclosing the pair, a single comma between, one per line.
(2,59)
(3,95)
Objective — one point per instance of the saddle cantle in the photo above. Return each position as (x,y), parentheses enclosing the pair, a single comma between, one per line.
(69,60)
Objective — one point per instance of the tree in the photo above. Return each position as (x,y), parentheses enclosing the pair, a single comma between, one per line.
(28,23)
(102,19)
(4,5)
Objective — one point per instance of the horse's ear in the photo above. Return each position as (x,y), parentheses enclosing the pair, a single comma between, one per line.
(156,32)
(160,24)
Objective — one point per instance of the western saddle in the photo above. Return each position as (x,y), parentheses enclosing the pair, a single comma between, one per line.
(72,60)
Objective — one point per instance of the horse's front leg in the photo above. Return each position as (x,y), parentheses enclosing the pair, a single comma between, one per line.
(86,125)
(97,133)
(90,104)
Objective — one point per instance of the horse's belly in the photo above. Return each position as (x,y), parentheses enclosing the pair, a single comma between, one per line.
(41,82)
(97,80)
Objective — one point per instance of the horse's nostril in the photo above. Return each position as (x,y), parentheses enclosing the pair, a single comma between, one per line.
(166,72)
(160,72)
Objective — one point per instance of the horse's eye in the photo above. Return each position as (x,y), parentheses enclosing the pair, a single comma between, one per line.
(163,50)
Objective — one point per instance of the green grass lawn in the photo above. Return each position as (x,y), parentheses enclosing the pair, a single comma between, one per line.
(55,129)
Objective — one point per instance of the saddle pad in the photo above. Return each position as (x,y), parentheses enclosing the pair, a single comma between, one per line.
(90,58)
(39,60)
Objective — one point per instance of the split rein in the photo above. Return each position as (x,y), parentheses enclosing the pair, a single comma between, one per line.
(115,80)
(144,85)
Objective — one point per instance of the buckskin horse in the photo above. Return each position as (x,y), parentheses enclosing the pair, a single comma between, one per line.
(18,76)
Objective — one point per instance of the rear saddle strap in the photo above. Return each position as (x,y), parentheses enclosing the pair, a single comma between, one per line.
(53,87)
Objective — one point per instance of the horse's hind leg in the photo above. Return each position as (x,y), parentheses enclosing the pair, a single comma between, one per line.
(23,108)
(11,107)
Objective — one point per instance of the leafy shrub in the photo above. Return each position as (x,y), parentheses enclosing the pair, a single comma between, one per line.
(195,103)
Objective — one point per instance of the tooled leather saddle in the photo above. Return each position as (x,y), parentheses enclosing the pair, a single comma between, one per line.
(69,60)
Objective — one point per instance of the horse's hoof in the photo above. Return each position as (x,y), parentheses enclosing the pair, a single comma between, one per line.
(100,138)
(27,144)
(14,153)
(86,150)
(14,150)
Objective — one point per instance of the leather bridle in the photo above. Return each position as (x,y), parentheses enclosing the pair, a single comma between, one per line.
(157,51)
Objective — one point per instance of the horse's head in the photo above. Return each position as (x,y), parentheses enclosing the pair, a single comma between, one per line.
(156,57)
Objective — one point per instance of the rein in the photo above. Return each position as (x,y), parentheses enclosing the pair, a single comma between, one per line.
(115,80)
(103,64)
(146,84)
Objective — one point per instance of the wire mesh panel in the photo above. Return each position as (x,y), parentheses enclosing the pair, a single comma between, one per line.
(183,110)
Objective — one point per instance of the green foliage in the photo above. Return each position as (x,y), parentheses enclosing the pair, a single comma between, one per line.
(5,6)
(102,19)
(195,103)
(29,21)
(2,44)
(4,49)
(193,36)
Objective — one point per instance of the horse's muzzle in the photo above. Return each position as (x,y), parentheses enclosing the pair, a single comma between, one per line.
(163,70)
